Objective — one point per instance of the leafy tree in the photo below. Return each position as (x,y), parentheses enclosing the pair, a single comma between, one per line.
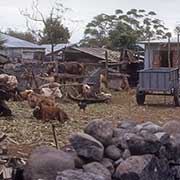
(54,32)
(28,36)
(123,29)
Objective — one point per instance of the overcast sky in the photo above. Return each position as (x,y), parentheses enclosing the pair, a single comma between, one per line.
(85,10)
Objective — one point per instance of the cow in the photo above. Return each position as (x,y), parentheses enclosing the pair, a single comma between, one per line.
(71,68)
(24,94)
(35,99)
(47,112)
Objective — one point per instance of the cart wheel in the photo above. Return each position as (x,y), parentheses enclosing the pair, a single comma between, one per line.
(176,97)
(140,97)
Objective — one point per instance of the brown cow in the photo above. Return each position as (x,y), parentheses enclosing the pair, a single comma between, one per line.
(47,113)
(71,68)
(24,94)
(35,99)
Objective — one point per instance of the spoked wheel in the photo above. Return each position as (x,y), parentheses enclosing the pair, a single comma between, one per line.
(140,97)
(176,97)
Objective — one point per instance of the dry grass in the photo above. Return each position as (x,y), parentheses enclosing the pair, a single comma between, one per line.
(25,132)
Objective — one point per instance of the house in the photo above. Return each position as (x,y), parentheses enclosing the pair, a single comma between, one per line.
(18,49)
(156,53)
(58,48)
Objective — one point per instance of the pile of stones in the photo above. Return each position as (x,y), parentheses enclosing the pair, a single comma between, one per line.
(129,151)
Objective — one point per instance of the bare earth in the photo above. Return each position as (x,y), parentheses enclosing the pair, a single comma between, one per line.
(25,132)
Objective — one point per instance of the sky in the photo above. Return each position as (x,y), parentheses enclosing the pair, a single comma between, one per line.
(85,10)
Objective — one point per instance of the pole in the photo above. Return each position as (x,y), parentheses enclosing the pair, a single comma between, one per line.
(149,63)
(54,135)
(178,63)
(169,51)
(106,65)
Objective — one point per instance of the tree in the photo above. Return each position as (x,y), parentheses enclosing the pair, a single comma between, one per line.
(50,27)
(27,36)
(123,29)
(54,32)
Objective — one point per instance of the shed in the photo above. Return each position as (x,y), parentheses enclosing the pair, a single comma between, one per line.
(58,48)
(85,55)
(156,53)
(18,49)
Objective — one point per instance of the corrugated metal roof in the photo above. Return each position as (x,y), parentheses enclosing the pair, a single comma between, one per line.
(159,41)
(12,42)
(58,47)
(97,52)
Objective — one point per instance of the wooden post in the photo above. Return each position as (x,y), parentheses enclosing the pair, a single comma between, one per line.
(106,65)
(106,57)
(54,135)
(178,63)
(149,62)
(169,51)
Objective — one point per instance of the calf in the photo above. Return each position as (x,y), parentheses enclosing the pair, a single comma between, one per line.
(46,112)
(35,99)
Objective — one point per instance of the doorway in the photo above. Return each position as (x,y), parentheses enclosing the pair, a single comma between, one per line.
(164,59)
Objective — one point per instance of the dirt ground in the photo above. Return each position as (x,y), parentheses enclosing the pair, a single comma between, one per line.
(24,132)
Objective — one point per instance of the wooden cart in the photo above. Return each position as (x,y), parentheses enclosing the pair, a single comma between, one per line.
(161,81)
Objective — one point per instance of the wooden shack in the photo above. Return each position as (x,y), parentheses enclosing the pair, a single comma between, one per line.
(84,55)
(156,53)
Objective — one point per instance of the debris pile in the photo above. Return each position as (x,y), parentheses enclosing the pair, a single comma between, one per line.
(129,151)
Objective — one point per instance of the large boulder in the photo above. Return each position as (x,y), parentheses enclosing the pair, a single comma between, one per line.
(101,130)
(97,169)
(45,162)
(78,175)
(146,167)
(87,147)
(172,127)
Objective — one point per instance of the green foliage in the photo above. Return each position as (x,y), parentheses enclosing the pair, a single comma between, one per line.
(28,36)
(123,29)
(54,32)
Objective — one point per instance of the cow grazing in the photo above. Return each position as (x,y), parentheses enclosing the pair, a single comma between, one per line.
(47,113)
(35,99)
(71,68)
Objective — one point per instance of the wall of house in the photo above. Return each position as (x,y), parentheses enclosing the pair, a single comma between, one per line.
(156,51)
(23,54)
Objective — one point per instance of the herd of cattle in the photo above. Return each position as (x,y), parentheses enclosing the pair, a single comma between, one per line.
(44,99)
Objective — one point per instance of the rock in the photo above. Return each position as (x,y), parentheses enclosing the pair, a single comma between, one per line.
(149,126)
(176,170)
(172,127)
(163,137)
(87,147)
(135,167)
(108,164)
(79,162)
(121,141)
(98,169)
(78,175)
(118,162)
(128,124)
(101,130)
(113,152)
(126,154)
(146,167)
(45,162)
(119,132)
(146,144)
